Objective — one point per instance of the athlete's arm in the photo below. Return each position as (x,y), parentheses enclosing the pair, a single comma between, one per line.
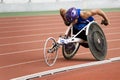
(62,13)
(86,14)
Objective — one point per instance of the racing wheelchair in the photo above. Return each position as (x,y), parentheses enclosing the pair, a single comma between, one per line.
(95,41)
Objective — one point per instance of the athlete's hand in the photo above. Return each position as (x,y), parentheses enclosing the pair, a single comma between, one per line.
(67,23)
(105,22)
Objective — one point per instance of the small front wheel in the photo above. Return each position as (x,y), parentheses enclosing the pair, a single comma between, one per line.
(50,51)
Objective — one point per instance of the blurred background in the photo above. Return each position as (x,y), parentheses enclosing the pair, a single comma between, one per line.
(48,5)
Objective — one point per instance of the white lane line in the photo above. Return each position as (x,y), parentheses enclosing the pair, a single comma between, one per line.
(37,21)
(39,49)
(16,52)
(31,35)
(42,19)
(23,63)
(42,29)
(112,33)
(29,25)
(31,30)
(63,69)
(47,34)
(7,44)
(34,49)
(28,19)
(31,17)
(22,42)
(31,21)
(36,29)
(112,40)
(48,16)
(110,28)
(113,49)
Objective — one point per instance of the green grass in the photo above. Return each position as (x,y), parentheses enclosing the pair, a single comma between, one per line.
(112,10)
(38,13)
(12,14)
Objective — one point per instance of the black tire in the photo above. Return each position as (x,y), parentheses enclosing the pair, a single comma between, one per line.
(97,41)
(69,50)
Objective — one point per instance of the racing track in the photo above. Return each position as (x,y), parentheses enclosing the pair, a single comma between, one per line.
(21,49)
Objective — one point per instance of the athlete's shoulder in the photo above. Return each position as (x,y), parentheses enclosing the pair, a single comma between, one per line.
(78,9)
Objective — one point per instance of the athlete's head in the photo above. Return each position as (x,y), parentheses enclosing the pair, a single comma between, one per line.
(71,14)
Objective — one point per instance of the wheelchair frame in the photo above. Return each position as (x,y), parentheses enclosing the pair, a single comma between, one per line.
(62,41)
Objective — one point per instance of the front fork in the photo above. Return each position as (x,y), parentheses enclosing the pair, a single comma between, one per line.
(54,48)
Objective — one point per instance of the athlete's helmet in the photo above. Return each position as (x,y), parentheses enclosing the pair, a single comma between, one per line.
(71,14)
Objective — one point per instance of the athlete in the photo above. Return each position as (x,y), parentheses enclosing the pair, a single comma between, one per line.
(77,16)
(79,19)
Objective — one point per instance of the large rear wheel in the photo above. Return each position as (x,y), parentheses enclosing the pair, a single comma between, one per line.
(97,41)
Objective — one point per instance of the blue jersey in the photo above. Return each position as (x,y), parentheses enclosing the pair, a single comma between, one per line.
(82,22)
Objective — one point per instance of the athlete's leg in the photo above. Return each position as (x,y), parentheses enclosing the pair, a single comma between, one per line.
(82,34)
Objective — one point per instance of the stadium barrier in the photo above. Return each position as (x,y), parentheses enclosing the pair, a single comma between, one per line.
(46,5)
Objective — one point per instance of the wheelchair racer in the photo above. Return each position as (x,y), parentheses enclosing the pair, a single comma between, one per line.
(77,16)
(79,19)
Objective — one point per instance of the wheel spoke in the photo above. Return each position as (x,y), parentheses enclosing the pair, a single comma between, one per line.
(97,41)
(50,51)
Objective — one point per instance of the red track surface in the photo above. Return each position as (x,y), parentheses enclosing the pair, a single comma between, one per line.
(21,49)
